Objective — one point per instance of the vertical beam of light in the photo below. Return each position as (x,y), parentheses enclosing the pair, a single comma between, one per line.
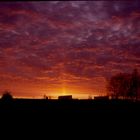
(63,78)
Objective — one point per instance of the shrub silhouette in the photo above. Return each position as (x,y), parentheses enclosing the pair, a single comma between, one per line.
(7,96)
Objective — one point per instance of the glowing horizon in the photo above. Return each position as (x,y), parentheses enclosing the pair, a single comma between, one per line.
(55,94)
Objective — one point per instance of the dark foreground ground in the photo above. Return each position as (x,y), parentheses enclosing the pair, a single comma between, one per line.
(66,118)
(74,107)
(69,115)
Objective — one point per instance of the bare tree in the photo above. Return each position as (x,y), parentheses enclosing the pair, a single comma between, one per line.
(117,85)
(134,84)
(124,85)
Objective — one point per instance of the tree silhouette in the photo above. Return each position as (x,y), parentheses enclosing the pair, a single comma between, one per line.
(134,84)
(117,85)
(7,96)
(45,97)
(124,85)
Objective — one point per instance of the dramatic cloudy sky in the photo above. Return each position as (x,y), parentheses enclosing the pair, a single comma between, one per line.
(72,47)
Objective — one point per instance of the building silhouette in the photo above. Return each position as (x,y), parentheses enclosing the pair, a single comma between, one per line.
(65,97)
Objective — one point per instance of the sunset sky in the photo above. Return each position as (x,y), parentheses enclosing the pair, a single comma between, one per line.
(57,47)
